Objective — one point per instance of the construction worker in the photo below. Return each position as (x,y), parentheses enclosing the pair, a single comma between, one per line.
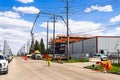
(49,61)
(46,56)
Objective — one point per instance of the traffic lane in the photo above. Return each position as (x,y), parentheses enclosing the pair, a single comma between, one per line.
(38,70)
(68,72)
(60,71)
(17,71)
(54,72)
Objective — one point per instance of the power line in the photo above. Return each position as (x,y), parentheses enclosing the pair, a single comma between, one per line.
(104,28)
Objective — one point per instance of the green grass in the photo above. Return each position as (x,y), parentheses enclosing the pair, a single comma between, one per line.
(72,61)
(115,68)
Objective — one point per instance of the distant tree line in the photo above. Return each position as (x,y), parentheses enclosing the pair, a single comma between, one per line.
(40,46)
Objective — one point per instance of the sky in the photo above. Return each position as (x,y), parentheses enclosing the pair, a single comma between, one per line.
(86,18)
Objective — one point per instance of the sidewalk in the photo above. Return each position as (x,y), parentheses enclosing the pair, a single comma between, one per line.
(80,64)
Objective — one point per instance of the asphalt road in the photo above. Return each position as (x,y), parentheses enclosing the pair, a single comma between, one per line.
(20,69)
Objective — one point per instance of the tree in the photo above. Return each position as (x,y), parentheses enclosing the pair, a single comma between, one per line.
(37,46)
(42,46)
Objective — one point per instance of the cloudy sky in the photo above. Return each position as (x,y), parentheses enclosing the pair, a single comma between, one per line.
(86,17)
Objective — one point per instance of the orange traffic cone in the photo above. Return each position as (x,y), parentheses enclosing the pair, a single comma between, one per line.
(26,58)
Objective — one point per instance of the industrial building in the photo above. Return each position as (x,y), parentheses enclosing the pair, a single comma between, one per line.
(85,46)
(99,44)
(61,42)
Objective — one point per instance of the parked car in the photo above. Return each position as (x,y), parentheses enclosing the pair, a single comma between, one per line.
(3,64)
(36,56)
(29,55)
(103,57)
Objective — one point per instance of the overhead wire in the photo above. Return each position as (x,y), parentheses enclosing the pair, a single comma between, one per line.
(99,29)
(77,8)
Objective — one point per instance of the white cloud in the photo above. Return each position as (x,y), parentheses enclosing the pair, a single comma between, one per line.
(83,26)
(40,35)
(117,29)
(75,26)
(88,10)
(13,32)
(13,29)
(26,1)
(43,35)
(28,10)
(115,19)
(10,14)
(107,8)
(60,27)
(15,38)
(6,22)
(113,32)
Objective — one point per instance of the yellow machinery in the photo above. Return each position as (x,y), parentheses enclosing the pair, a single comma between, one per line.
(36,51)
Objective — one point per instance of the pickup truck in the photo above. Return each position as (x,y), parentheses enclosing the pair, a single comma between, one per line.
(3,64)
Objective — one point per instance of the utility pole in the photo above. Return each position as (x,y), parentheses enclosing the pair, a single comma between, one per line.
(4,51)
(27,47)
(54,36)
(28,44)
(118,58)
(67,25)
(24,49)
(54,15)
(67,18)
(47,35)
(82,49)
(0,49)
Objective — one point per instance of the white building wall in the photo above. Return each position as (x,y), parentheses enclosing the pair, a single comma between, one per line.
(90,45)
(80,49)
(109,44)
(76,50)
